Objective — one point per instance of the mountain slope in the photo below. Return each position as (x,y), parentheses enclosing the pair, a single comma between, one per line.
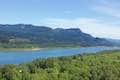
(45,36)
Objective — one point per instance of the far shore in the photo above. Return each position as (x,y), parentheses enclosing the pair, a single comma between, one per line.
(33,49)
(20,49)
(41,48)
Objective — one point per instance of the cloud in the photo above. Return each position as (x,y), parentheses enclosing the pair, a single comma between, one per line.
(106,26)
(96,27)
(108,10)
(67,23)
(108,7)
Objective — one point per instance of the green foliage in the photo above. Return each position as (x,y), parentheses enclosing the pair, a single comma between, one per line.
(100,66)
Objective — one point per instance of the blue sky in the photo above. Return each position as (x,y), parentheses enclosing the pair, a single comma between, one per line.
(100,18)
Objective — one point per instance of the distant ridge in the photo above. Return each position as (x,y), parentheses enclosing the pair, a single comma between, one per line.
(45,36)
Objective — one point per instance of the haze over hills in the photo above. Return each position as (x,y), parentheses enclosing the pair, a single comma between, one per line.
(45,36)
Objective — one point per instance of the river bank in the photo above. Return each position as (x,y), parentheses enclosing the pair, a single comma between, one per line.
(20,49)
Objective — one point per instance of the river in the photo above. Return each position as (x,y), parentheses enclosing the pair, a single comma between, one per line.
(17,57)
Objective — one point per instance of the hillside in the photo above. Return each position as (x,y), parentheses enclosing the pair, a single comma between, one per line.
(19,35)
(100,66)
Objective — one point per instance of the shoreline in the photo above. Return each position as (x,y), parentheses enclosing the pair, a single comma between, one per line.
(20,49)
(32,49)
(41,48)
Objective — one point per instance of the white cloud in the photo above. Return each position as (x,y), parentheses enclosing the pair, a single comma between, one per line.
(108,7)
(108,10)
(96,27)
(108,28)
(67,23)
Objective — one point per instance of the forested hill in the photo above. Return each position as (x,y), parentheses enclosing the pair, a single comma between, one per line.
(45,36)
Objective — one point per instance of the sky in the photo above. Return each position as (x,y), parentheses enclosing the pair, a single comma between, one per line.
(100,18)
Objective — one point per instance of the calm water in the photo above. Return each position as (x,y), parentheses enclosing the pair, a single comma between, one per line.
(15,57)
